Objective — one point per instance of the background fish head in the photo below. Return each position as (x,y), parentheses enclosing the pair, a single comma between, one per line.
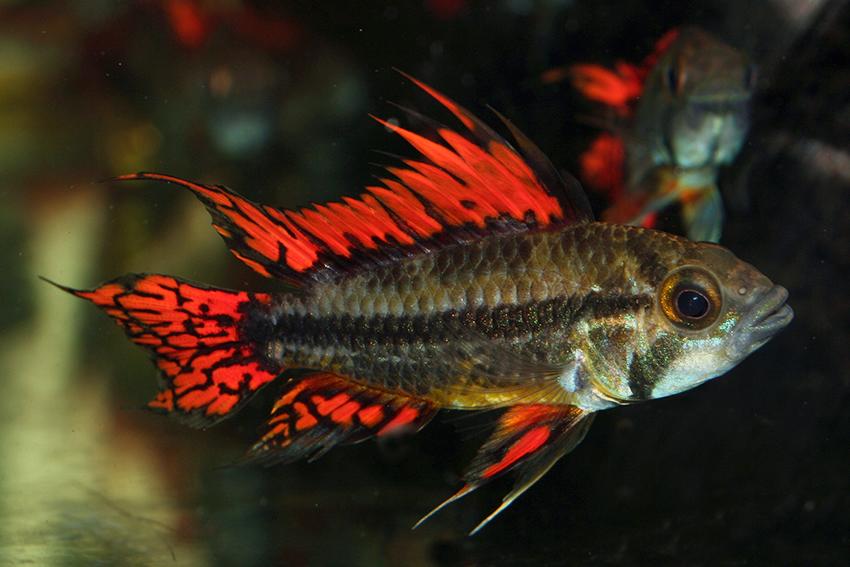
(696,102)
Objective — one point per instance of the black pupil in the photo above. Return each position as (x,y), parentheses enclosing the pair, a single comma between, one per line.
(692,304)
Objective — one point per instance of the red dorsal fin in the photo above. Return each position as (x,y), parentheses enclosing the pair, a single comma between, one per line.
(529,439)
(195,333)
(472,185)
(323,410)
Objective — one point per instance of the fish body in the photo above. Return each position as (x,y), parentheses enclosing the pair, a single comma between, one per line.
(683,114)
(472,278)
(478,325)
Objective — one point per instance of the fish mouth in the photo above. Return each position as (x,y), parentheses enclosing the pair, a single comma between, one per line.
(769,316)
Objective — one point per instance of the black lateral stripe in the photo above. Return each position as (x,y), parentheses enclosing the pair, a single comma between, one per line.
(501,322)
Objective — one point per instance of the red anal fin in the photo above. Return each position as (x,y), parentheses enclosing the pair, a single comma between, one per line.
(529,439)
(459,184)
(323,410)
(195,333)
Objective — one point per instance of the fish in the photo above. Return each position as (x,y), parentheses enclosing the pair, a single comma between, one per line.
(677,118)
(471,277)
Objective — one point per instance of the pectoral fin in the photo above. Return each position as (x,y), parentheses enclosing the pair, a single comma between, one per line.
(528,438)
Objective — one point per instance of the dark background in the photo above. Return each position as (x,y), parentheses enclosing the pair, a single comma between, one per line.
(273,99)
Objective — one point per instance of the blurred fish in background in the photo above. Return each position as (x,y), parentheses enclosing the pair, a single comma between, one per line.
(674,120)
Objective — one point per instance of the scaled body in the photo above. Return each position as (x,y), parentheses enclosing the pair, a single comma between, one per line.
(419,326)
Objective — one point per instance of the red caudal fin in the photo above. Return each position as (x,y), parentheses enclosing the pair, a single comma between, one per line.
(463,185)
(323,410)
(529,439)
(202,340)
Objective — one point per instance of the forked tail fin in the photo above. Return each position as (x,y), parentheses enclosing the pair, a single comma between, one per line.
(203,340)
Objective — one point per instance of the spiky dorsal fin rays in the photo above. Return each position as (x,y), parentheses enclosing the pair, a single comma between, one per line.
(568,191)
(528,438)
(572,195)
(459,188)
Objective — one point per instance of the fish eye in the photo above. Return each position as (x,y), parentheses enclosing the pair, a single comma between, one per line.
(690,298)
(692,304)
(750,77)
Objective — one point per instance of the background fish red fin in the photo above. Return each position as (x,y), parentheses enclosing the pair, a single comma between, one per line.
(603,166)
(320,411)
(603,163)
(195,334)
(528,439)
(621,87)
(617,88)
(460,186)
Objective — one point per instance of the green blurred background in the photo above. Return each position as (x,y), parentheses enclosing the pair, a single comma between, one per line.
(272,99)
